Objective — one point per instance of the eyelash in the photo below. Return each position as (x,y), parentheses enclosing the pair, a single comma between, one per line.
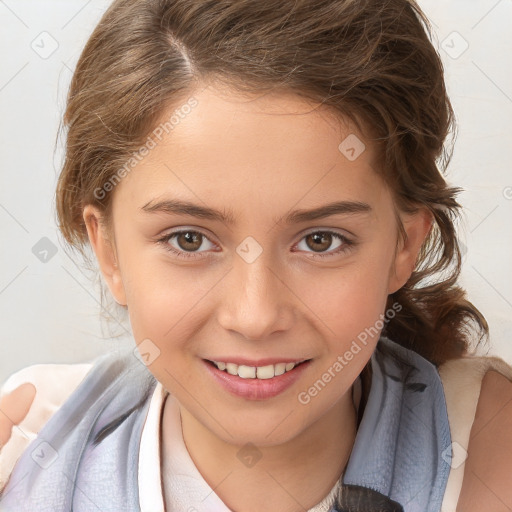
(345,247)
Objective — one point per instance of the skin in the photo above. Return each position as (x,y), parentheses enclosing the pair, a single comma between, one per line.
(287,303)
(486,484)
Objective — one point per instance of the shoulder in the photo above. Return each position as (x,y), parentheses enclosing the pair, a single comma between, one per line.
(488,468)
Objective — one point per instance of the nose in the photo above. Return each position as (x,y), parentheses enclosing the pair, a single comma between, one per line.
(256,300)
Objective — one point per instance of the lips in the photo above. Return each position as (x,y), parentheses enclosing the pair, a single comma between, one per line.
(254,388)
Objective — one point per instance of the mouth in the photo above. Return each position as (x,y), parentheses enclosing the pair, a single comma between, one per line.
(265,372)
(256,382)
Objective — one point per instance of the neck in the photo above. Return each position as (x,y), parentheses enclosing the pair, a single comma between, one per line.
(295,475)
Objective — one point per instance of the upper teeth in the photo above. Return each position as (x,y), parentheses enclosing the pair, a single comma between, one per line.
(255,372)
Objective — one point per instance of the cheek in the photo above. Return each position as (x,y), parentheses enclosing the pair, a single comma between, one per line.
(164,316)
(161,305)
(351,298)
(166,302)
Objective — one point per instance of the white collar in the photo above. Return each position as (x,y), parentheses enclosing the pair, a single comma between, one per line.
(150,487)
(184,485)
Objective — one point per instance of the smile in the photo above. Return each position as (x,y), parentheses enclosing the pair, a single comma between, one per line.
(256,382)
(256,372)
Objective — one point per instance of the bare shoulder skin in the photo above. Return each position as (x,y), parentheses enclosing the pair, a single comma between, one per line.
(488,471)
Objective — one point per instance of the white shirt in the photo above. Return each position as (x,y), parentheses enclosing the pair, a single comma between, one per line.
(185,488)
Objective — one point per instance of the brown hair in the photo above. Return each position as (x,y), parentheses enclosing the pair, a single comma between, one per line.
(369,60)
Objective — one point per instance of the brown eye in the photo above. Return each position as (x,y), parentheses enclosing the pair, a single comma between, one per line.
(319,241)
(186,243)
(189,240)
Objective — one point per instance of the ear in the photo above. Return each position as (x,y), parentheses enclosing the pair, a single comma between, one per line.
(417,226)
(104,249)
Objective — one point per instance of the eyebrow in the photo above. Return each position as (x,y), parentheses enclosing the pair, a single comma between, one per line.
(174,206)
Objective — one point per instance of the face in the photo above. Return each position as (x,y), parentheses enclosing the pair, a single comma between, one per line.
(258,271)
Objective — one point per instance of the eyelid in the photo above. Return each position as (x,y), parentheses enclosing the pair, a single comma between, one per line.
(326,229)
(168,233)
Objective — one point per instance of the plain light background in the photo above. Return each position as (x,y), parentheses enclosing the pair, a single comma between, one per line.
(50,309)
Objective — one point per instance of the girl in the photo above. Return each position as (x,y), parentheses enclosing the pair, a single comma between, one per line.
(260,183)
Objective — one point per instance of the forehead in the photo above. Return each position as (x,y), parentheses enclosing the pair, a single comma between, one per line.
(261,149)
